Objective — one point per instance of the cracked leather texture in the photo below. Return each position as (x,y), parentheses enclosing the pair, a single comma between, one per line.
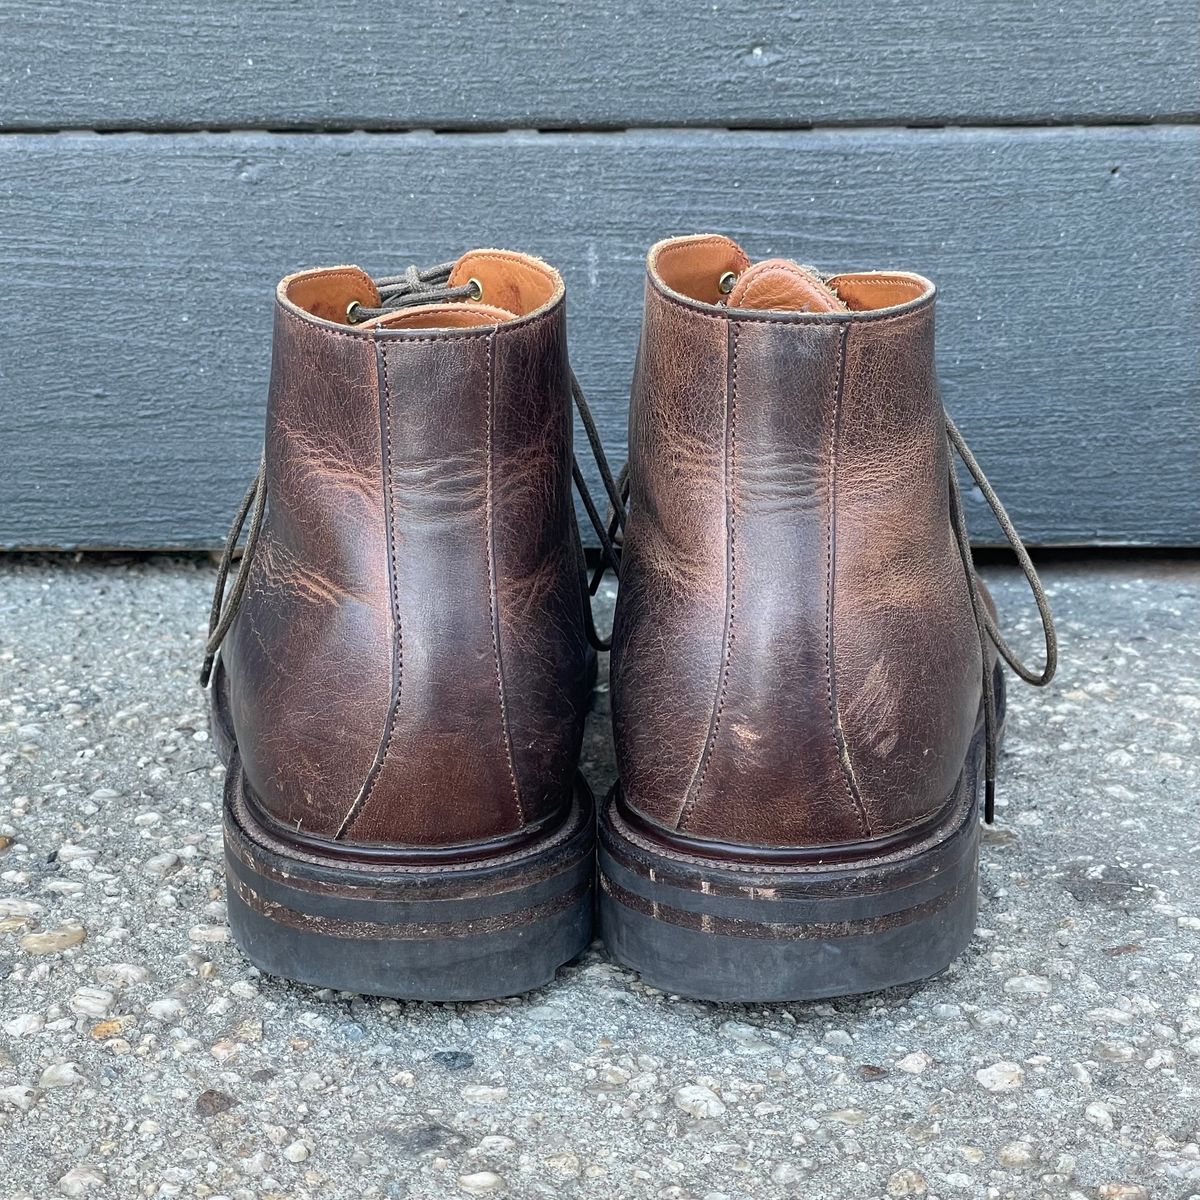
(795,661)
(409,660)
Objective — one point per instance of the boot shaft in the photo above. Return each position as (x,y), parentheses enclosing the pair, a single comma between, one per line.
(408,665)
(796,660)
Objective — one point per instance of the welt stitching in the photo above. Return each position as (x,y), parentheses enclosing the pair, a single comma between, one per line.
(491,555)
(731,574)
(839,746)
(368,788)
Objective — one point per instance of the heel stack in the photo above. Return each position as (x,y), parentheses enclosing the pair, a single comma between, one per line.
(454,931)
(740,930)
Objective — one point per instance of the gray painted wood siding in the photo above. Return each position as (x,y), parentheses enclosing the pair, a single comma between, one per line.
(186,64)
(139,271)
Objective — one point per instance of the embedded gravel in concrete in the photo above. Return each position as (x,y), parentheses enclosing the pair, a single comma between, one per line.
(141,1056)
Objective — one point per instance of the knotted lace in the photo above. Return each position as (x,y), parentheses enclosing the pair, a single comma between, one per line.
(428,286)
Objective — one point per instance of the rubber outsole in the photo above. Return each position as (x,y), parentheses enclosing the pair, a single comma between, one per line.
(486,929)
(744,931)
(480,929)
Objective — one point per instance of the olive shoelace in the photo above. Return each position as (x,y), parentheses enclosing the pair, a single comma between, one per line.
(984,623)
(427,285)
(430,285)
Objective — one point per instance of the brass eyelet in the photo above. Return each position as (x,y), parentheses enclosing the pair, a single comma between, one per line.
(476,287)
(352,311)
(726,282)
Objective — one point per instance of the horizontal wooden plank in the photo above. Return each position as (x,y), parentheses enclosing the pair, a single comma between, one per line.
(140,271)
(282,64)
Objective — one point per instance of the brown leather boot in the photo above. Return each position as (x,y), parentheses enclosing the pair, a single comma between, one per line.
(404,665)
(805,687)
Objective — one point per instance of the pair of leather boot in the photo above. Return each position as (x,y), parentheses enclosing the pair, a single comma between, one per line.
(806,687)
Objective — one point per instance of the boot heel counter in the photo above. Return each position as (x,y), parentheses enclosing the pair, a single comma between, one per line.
(909,695)
(487,722)
(304,688)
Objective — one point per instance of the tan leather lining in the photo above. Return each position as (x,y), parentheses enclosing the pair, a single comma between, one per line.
(519,283)
(514,285)
(693,266)
(326,293)
(865,290)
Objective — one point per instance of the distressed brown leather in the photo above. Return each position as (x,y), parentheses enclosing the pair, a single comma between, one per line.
(795,658)
(409,663)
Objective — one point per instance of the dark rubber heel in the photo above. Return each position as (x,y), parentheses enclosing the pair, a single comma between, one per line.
(715,929)
(454,931)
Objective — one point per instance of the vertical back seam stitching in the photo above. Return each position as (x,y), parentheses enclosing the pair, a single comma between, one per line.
(492,600)
(693,799)
(839,739)
(385,411)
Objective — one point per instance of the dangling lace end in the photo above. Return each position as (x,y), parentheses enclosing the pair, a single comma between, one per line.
(220,617)
(989,802)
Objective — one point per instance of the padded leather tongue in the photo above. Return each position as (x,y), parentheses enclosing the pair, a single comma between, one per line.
(783,286)
(442,316)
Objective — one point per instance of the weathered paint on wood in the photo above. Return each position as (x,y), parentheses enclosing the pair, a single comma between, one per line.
(556,64)
(139,273)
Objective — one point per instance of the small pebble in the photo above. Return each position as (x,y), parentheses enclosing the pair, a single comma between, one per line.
(916,1063)
(23,1025)
(1016,1155)
(78,1181)
(496,1143)
(208,934)
(698,1101)
(479,1183)
(748,1038)
(162,864)
(103,1030)
(53,941)
(61,1075)
(906,1182)
(165,1010)
(91,1002)
(212,1103)
(786,1174)
(123,975)
(1028,985)
(1000,1077)
(453,1060)
(18,1096)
